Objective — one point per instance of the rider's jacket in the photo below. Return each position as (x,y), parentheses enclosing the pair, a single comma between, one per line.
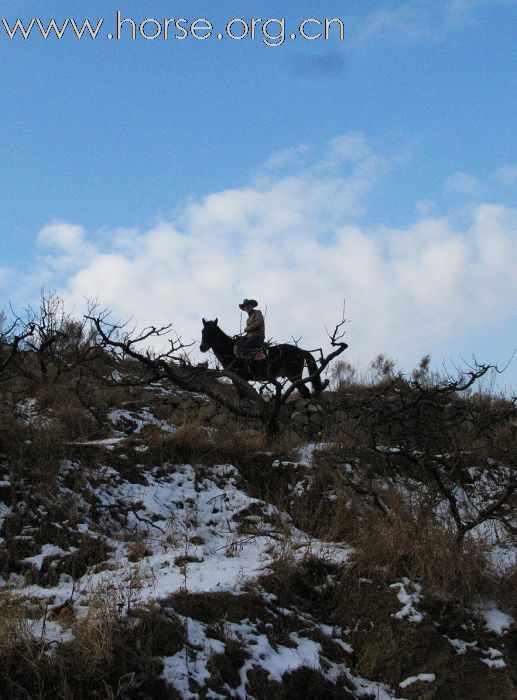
(255,324)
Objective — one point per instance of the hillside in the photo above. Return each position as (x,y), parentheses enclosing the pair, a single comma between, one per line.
(154,545)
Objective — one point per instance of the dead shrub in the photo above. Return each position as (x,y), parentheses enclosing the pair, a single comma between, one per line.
(60,404)
(506,590)
(112,656)
(137,550)
(35,454)
(25,665)
(14,628)
(322,507)
(13,430)
(94,635)
(412,542)
(90,552)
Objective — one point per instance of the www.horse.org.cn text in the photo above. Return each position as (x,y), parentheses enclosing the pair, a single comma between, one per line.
(270,32)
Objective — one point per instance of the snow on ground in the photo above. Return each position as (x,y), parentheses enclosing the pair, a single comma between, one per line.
(420,678)
(408,600)
(48,550)
(276,660)
(108,443)
(461,647)
(179,670)
(495,620)
(190,520)
(27,411)
(306,452)
(169,511)
(136,421)
(493,658)
(50,631)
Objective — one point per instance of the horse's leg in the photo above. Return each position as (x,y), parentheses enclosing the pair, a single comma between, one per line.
(244,371)
(306,392)
(302,388)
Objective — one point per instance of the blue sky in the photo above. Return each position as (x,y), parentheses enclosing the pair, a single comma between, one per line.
(128,168)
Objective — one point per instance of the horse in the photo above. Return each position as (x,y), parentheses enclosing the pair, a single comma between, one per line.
(281,360)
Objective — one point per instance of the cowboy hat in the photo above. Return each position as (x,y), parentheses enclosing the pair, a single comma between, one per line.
(248,301)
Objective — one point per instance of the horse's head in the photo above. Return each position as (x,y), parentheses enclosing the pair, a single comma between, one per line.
(208,335)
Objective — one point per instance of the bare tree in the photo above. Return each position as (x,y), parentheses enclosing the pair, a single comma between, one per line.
(461,444)
(13,337)
(174,365)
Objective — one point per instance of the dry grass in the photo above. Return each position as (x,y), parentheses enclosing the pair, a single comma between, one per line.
(413,542)
(60,405)
(193,443)
(25,665)
(137,550)
(110,656)
(14,628)
(304,683)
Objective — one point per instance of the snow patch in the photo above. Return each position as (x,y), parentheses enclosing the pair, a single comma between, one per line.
(493,658)
(108,443)
(496,621)
(48,550)
(460,646)
(306,452)
(138,421)
(409,600)
(420,678)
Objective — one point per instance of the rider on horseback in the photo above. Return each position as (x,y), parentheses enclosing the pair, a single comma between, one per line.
(255,331)
(283,360)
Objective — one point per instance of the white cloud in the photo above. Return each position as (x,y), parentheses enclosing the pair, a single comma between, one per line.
(424,207)
(294,241)
(463,183)
(287,157)
(407,23)
(506,175)
(421,20)
(66,245)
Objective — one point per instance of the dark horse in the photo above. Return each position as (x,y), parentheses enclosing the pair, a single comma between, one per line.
(281,360)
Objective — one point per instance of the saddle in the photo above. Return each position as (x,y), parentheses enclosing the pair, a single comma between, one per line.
(255,355)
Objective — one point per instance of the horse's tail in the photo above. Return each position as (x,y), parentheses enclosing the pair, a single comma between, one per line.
(317,384)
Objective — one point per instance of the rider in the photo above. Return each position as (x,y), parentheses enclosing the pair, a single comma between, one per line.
(255,331)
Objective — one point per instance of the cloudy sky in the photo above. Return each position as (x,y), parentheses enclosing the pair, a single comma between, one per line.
(171,179)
